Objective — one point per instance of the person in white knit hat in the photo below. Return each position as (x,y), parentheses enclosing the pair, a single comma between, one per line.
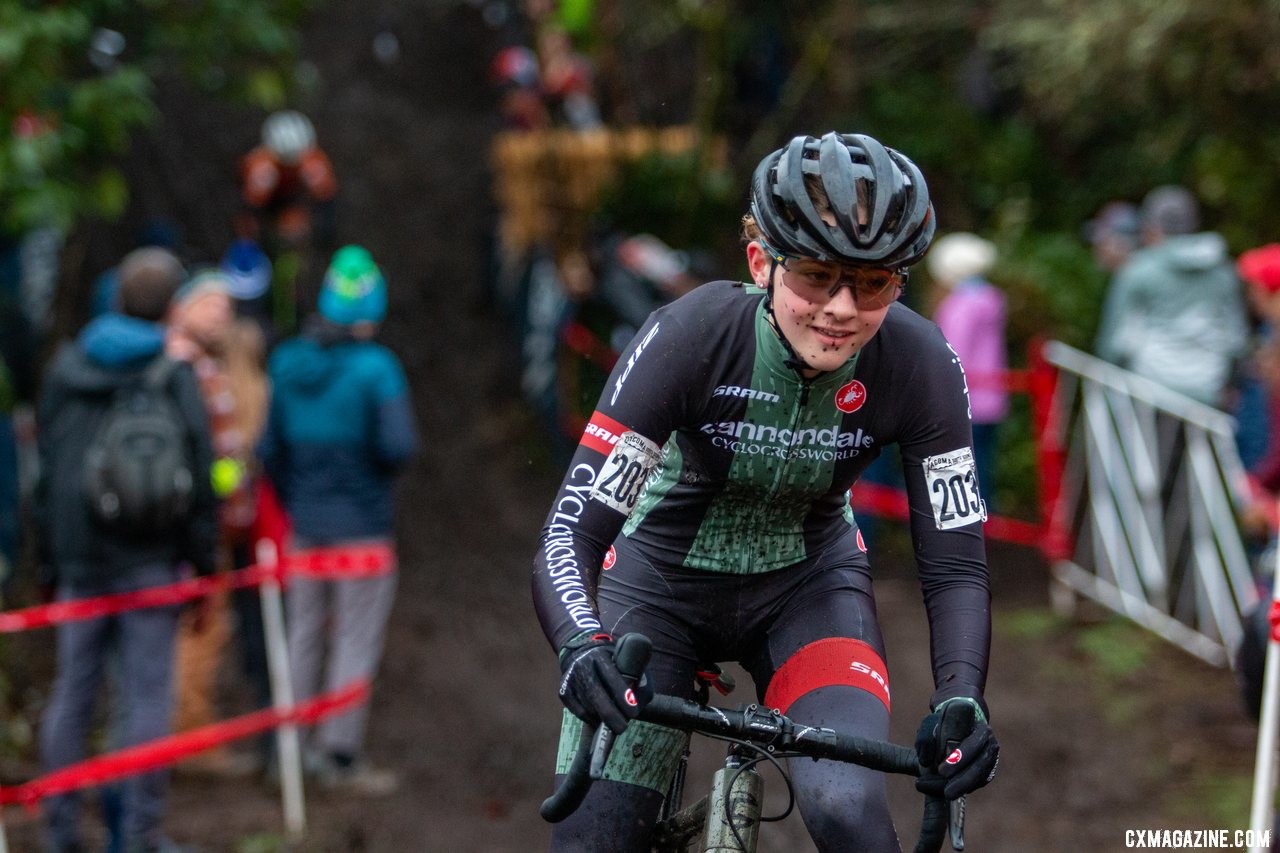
(972,317)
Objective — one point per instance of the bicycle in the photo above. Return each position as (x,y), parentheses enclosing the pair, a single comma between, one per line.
(729,817)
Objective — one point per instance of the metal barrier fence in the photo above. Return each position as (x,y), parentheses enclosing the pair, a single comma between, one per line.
(1144,516)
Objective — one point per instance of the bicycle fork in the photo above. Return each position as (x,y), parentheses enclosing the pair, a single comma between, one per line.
(733,819)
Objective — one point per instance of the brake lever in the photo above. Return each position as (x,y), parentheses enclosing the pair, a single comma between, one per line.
(955,825)
(631,656)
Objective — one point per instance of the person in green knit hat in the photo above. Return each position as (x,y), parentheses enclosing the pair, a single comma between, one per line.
(339,429)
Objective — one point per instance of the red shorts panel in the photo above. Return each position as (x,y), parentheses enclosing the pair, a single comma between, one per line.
(835,660)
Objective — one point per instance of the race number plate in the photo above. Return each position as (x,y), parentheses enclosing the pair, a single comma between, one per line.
(626,471)
(953,489)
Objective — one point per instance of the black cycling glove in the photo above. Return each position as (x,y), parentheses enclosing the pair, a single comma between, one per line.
(957,748)
(591,686)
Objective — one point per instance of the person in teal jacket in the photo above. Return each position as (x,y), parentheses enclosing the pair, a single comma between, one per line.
(1175,311)
(340,427)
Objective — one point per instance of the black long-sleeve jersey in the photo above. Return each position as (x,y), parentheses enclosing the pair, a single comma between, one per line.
(708,452)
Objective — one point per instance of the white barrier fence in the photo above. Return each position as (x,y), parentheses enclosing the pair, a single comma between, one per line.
(1150,488)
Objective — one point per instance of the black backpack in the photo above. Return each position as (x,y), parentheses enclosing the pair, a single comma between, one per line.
(139,476)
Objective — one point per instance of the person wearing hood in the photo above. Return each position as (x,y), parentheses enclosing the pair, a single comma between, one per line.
(1175,312)
(89,556)
(339,428)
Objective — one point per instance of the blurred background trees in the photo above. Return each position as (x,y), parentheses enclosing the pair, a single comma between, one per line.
(78,82)
(1026,116)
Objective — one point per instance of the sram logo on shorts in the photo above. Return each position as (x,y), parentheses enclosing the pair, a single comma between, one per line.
(851,396)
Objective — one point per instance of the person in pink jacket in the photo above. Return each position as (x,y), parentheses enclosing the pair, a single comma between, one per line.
(971,315)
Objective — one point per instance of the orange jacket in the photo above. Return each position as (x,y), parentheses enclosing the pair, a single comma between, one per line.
(266,182)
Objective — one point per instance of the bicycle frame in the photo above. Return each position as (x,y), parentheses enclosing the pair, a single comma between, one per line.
(728,818)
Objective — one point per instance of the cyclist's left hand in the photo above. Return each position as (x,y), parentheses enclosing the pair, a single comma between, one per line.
(957,748)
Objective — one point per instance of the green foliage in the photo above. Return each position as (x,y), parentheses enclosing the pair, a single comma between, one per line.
(262,843)
(680,198)
(79,82)
(1150,91)
(1031,624)
(1115,649)
(1214,798)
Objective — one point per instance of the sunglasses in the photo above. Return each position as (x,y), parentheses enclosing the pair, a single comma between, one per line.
(817,281)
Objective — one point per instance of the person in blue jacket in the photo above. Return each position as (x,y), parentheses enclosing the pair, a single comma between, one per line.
(340,427)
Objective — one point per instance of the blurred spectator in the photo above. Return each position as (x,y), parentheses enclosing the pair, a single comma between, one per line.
(10,510)
(567,80)
(514,73)
(1174,312)
(972,318)
(340,427)
(90,555)
(200,332)
(289,191)
(1113,234)
(1260,270)
(159,232)
(640,273)
(288,183)
(244,522)
(19,350)
(1252,404)
(248,272)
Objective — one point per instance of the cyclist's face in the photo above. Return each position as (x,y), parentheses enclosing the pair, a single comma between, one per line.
(827,312)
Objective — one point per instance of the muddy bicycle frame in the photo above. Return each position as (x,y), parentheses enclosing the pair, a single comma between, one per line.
(729,817)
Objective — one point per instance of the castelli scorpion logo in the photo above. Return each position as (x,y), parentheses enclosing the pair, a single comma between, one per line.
(851,396)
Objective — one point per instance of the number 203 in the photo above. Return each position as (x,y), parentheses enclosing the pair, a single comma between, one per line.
(624,480)
(959,495)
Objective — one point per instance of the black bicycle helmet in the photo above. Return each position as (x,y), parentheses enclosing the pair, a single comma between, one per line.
(852,167)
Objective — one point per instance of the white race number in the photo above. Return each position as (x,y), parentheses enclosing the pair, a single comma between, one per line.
(953,489)
(625,472)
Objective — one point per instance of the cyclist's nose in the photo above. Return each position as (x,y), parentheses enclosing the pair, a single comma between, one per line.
(842,302)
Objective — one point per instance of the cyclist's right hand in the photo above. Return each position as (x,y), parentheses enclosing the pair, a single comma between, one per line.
(591,686)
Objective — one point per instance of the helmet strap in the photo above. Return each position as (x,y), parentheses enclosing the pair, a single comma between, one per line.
(793,359)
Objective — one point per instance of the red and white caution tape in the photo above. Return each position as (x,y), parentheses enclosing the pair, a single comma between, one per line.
(352,563)
(888,502)
(163,752)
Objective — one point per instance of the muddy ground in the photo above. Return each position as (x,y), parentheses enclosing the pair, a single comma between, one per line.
(1102,728)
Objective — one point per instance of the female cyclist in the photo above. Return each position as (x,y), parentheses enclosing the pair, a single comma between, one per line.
(707,504)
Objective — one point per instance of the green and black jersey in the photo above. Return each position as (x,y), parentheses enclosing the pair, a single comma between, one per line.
(708,452)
